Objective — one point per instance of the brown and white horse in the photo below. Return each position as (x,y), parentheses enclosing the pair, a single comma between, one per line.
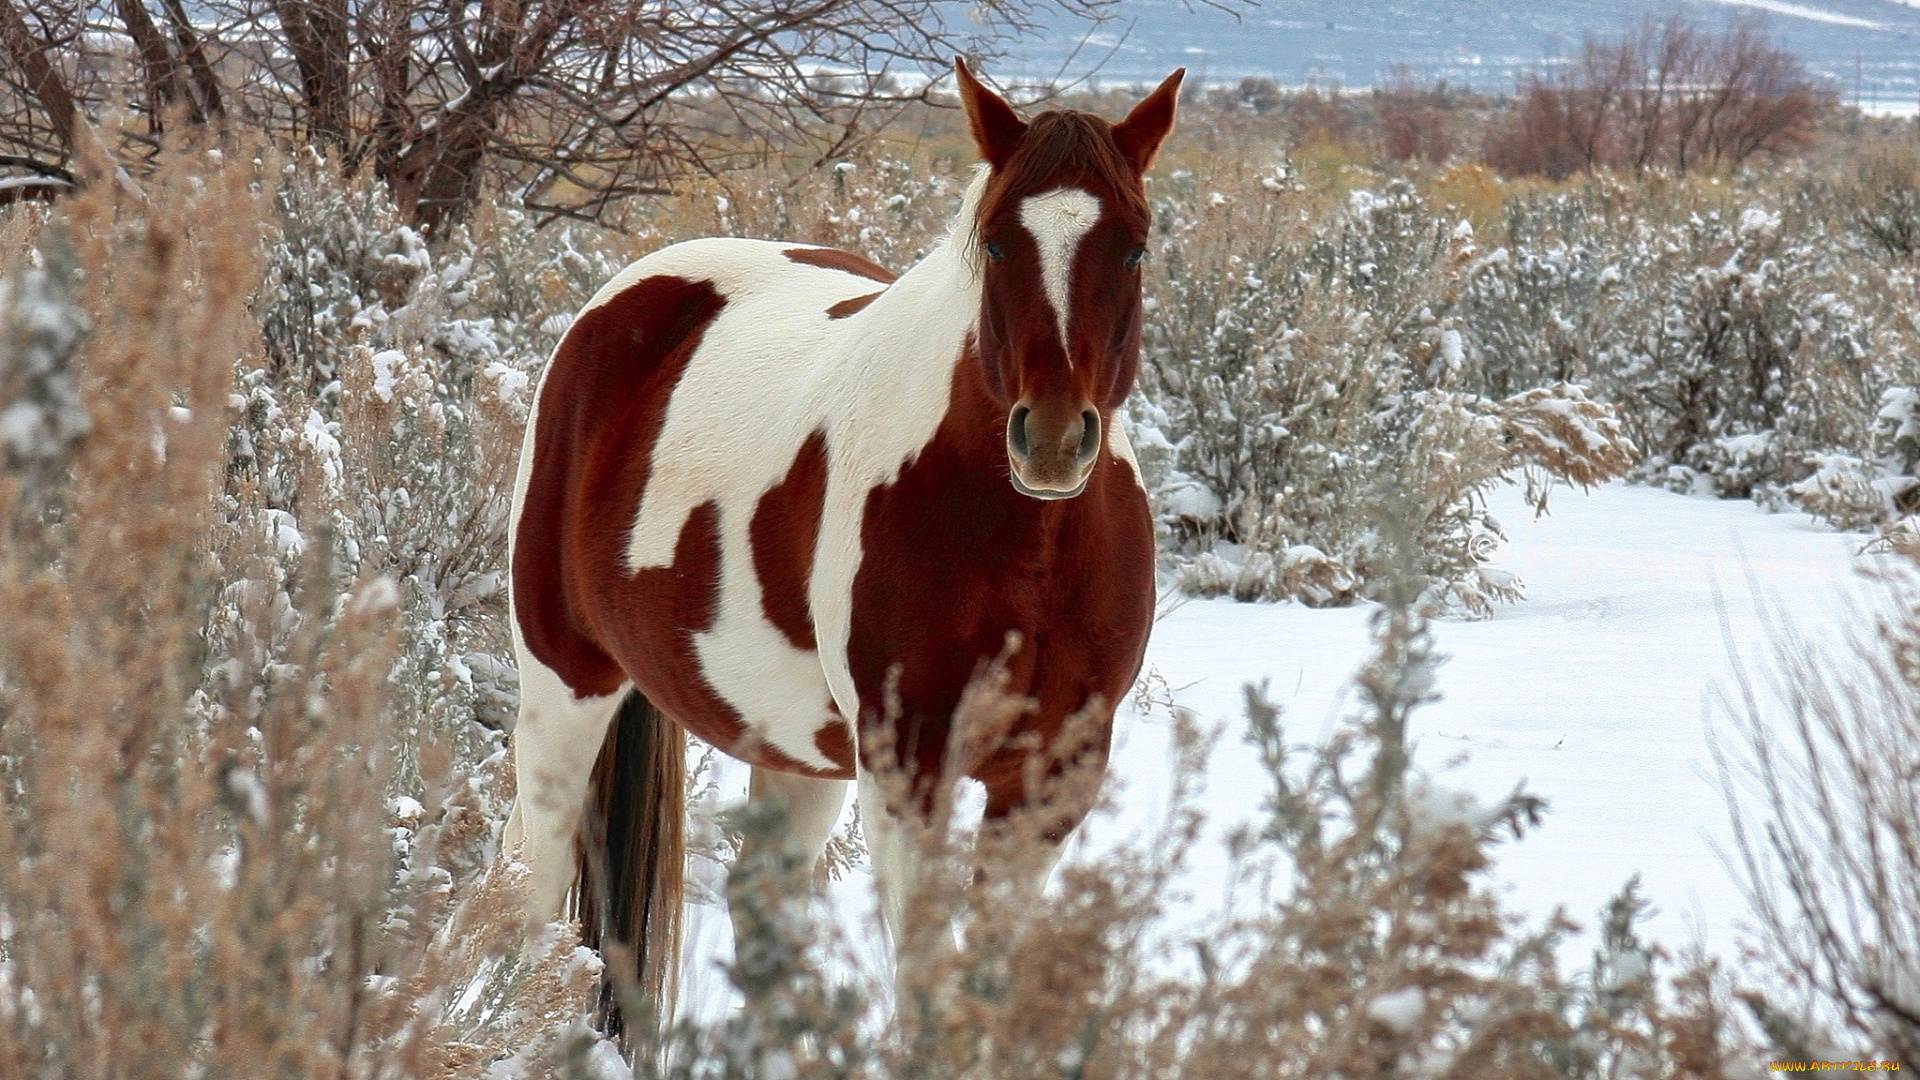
(766,485)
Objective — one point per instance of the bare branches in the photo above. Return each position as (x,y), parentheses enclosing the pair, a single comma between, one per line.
(573,103)
(1667,96)
(40,79)
(1825,801)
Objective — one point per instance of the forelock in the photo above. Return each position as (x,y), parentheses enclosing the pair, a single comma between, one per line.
(1062,146)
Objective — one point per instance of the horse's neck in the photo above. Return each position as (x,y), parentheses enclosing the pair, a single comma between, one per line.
(903,347)
(938,300)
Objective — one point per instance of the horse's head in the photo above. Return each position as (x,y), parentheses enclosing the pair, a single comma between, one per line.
(1061,231)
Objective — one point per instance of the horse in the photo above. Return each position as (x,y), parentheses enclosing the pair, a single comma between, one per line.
(775,497)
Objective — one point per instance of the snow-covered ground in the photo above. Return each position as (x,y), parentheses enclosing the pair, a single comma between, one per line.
(1596,690)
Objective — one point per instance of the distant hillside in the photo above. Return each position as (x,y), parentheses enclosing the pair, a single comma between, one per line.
(1866,47)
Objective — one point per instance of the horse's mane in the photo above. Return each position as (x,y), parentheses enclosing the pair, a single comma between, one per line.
(1061,145)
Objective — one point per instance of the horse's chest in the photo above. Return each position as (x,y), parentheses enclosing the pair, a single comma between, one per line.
(957,574)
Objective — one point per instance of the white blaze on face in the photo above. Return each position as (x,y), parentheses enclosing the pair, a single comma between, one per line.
(1058,219)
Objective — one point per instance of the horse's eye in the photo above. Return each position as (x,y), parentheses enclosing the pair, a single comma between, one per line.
(994,252)
(1134,257)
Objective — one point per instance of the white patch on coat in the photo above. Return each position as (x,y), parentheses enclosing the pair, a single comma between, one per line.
(1058,219)
(751,664)
(892,416)
(555,743)
(1122,447)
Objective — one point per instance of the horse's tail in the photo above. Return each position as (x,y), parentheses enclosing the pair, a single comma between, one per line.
(633,856)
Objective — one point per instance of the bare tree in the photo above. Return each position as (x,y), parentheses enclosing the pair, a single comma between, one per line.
(1412,118)
(1656,66)
(571,104)
(1760,99)
(1667,96)
(38,142)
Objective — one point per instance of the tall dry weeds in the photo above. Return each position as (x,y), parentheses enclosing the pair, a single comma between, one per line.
(1364,934)
(1823,787)
(198,870)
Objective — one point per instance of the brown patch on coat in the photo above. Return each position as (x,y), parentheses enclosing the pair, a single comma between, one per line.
(835,742)
(844,261)
(785,526)
(954,558)
(602,404)
(852,305)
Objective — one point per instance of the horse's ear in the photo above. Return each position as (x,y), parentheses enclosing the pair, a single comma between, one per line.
(1146,127)
(996,130)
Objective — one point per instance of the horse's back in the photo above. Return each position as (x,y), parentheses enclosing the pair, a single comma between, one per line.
(671,485)
(767,276)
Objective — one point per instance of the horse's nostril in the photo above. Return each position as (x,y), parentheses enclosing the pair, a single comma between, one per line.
(1089,437)
(1017,432)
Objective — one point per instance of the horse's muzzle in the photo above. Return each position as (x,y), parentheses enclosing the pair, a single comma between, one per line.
(1051,451)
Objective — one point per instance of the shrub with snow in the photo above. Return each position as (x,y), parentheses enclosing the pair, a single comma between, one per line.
(1296,372)
(1745,338)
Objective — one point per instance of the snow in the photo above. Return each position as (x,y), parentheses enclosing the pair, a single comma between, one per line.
(284,530)
(1453,348)
(321,437)
(1190,498)
(510,383)
(1400,1009)
(1596,691)
(1433,807)
(385,377)
(24,183)
(1802,11)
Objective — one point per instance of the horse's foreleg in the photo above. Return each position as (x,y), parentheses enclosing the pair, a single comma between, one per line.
(895,851)
(1024,832)
(812,807)
(555,744)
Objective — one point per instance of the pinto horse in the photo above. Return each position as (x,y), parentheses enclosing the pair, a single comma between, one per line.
(774,496)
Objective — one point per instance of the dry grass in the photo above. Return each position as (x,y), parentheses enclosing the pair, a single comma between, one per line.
(197,868)
(1364,936)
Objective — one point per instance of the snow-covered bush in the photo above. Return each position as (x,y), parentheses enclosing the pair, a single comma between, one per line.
(1295,371)
(386,424)
(1856,493)
(1745,338)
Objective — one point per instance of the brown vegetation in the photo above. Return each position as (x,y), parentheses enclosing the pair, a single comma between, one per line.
(1412,120)
(1669,96)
